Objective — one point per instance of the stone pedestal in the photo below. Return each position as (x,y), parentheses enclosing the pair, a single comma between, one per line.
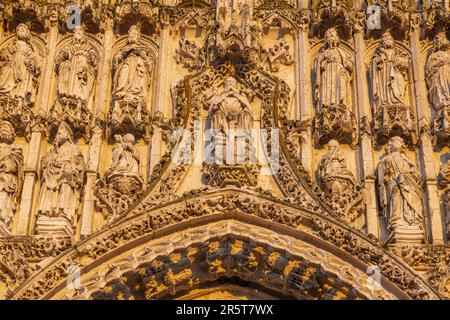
(410,235)
(57,227)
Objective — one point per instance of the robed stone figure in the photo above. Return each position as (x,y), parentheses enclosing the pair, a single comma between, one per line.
(229,118)
(437,72)
(19,68)
(389,73)
(333,67)
(62,176)
(132,67)
(76,68)
(11,163)
(400,195)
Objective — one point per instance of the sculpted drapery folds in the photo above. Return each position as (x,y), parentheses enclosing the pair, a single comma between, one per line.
(400,195)
(389,73)
(123,181)
(76,69)
(11,162)
(333,74)
(333,93)
(62,176)
(389,77)
(437,72)
(132,68)
(19,68)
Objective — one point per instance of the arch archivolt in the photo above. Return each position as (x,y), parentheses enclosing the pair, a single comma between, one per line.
(246,215)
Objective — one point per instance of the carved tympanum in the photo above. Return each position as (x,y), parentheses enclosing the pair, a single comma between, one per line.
(340,186)
(11,162)
(437,74)
(389,78)
(400,195)
(62,176)
(132,68)
(122,182)
(333,93)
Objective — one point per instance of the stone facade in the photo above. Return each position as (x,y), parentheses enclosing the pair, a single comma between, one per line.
(232,149)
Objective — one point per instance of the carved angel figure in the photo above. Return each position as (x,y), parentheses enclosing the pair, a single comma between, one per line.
(124,173)
(62,176)
(132,67)
(19,68)
(333,68)
(437,72)
(11,162)
(399,193)
(228,110)
(76,68)
(389,73)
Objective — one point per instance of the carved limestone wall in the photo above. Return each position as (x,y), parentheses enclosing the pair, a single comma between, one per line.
(124,119)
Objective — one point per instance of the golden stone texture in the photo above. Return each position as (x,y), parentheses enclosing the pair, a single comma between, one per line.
(243,149)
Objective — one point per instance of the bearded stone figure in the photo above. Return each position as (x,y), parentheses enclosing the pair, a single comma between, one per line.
(76,69)
(400,195)
(229,110)
(19,68)
(62,176)
(11,163)
(124,173)
(389,73)
(333,68)
(437,72)
(133,67)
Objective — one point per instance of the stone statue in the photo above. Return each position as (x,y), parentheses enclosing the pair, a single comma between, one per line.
(76,69)
(389,73)
(437,72)
(400,195)
(62,176)
(229,110)
(11,163)
(333,167)
(124,173)
(19,68)
(133,67)
(234,16)
(333,68)
(339,185)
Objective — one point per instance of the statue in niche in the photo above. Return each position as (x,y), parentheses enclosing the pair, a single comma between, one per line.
(389,73)
(133,66)
(389,78)
(11,163)
(333,73)
(437,72)
(62,176)
(124,173)
(229,111)
(76,69)
(234,16)
(19,68)
(400,195)
(339,185)
(122,182)
(333,93)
